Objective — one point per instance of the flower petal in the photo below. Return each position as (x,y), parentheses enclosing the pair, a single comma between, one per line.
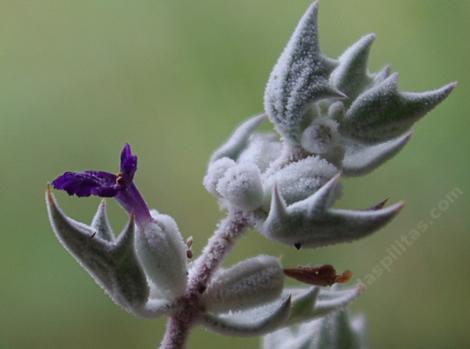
(128,164)
(87,183)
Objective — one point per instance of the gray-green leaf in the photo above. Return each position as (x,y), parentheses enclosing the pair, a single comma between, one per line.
(113,265)
(299,78)
(382,112)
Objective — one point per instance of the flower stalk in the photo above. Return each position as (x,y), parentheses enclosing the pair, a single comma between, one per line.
(179,325)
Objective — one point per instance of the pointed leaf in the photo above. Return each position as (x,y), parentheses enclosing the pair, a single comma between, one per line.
(299,78)
(382,112)
(334,302)
(251,322)
(278,210)
(113,266)
(360,158)
(382,74)
(312,228)
(324,197)
(289,338)
(279,339)
(238,140)
(315,302)
(101,224)
(303,304)
(336,332)
(351,75)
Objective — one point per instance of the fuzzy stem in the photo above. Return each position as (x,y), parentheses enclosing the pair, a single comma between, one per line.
(218,246)
(176,334)
(216,250)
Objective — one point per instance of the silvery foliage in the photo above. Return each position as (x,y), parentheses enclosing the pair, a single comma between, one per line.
(145,272)
(293,306)
(142,271)
(335,331)
(332,117)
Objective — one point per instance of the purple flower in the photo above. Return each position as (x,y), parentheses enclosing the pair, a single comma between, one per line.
(106,184)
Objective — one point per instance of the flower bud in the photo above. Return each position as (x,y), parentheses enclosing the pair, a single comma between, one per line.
(215,172)
(262,150)
(301,179)
(162,253)
(241,186)
(320,136)
(249,283)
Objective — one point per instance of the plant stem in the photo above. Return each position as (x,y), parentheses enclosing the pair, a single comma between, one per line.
(190,308)
(176,334)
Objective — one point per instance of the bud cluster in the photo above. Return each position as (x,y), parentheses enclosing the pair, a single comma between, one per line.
(332,117)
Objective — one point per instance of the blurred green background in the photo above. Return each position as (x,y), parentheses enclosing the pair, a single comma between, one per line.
(78,79)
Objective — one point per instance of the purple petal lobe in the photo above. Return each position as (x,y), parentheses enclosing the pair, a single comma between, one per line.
(128,164)
(87,183)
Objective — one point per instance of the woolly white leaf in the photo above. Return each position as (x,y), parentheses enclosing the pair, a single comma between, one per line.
(303,304)
(334,332)
(162,252)
(299,78)
(314,303)
(382,75)
(157,306)
(249,283)
(309,223)
(101,223)
(251,322)
(293,307)
(241,186)
(238,140)
(358,325)
(278,210)
(289,338)
(113,265)
(382,112)
(323,198)
(278,339)
(360,158)
(351,75)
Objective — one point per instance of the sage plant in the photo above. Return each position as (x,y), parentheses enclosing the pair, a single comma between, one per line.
(332,118)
